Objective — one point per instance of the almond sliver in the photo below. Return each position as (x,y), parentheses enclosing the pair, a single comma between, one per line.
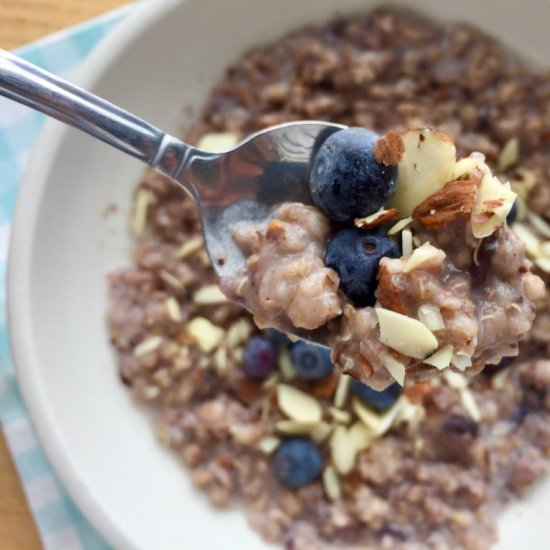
(298,405)
(378,424)
(469,403)
(465,165)
(292,427)
(342,450)
(209,295)
(331,484)
(530,240)
(406,242)
(493,203)
(404,334)
(461,360)
(400,225)
(205,333)
(424,257)
(430,315)
(441,359)
(395,368)
(361,436)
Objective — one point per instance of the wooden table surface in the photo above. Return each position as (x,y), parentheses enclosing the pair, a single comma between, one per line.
(22,21)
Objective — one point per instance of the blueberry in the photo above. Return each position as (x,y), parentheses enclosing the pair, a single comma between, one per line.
(260,357)
(311,362)
(297,462)
(379,400)
(513,214)
(355,254)
(346,182)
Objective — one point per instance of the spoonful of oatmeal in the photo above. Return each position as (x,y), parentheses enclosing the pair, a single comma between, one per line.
(387,249)
(404,265)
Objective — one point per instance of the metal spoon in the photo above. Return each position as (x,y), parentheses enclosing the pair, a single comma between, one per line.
(244,183)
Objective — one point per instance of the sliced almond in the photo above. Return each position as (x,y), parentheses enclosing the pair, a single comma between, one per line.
(189,247)
(286,367)
(441,359)
(317,431)
(171,280)
(406,242)
(361,436)
(220,359)
(465,165)
(331,484)
(430,315)
(523,182)
(204,258)
(531,241)
(509,154)
(378,424)
(173,309)
(424,257)
(339,415)
(461,360)
(376,219)
(540,224)
(342,450)
(395,368)
(149,345)
(209,295)
(342,390)
(139,215)
(206,334)
(216,142)
(410,413)
(271,381)
(238,332)
(469,403)
(404,334)
(268,444)
(426,166)
(292,427)
(400,225)
(320,432)
(544,264)
(455,380)
(298,405)
(456,199)
(493,203)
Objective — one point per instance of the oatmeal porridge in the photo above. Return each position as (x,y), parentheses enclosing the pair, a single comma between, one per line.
(314,457)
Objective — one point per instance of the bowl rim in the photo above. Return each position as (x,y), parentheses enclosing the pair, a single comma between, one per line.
(33,184)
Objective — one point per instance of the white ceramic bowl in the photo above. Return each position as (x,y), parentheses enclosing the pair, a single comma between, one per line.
(166,55)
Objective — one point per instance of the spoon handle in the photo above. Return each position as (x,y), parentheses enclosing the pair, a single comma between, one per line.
(30,85)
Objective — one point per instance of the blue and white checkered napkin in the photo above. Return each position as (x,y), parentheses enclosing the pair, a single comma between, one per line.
(60,523)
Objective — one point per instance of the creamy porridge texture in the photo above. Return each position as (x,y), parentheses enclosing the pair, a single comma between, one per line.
(316,458)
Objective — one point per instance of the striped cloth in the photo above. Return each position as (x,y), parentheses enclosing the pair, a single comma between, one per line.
(60,523)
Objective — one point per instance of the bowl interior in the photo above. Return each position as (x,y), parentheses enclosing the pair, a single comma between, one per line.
(163,59)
